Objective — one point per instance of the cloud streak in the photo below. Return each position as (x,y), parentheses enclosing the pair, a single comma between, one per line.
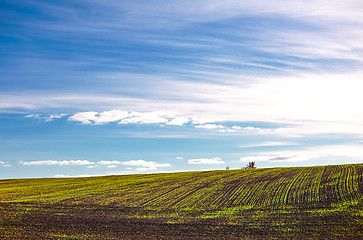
(145,165)
(75,176)
(57,162)
(347,152)
(4,164)
(270,144)
(310,102)
(124,117)
(48,118)
(206,161)
(108,162)
(209,126)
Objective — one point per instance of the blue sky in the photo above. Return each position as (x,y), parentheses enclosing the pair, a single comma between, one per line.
(123,87)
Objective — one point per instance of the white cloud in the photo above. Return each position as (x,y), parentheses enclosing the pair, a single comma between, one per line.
(270,144)
(125,117)
(214,10)
(55,116)
(319,9)
(150,165)
(179,158)
(146,118)
(108,162)
(48,118)
(284,100)
(251,128)
(111,116)
(201,121)
(291,158)
(276,158)
(226,130)
(142,169)
(257,130)
(84,117)
(59,176)
(209,126)
(262,158)
(61,163)
(74,176)
(4,164)
(99,118)
(351,152)
(339,150)
(179,121)
(281,100)
(205,161)
(112,166)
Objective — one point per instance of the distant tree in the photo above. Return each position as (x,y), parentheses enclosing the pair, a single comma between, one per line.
(251,165)
(227,168)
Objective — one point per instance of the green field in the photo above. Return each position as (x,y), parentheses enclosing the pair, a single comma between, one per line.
(289,203)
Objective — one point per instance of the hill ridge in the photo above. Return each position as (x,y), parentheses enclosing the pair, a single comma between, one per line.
(203,189)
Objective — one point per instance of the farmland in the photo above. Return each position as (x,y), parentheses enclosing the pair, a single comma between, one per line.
(322,202)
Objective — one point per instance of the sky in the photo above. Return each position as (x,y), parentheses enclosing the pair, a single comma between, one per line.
(92,88)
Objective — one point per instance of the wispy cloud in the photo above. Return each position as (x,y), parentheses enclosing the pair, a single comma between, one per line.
(84,117)
(269,144)
(4,164)
(347,152)
(145,165)
(75,176)
(109,116)
(111,166)
(146,118)
(277,99)
(178,121)
(108,162)
(277,158)
(206,161)
(47,118)
(168,118)
(209,126)
(58,162)
(228,130)
(124,117)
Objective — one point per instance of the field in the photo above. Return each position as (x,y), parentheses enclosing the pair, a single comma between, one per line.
(322,202)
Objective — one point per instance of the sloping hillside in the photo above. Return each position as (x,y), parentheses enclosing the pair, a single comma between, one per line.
(312,202)
(216,189)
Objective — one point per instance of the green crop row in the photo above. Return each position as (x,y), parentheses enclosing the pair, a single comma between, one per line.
(208,189)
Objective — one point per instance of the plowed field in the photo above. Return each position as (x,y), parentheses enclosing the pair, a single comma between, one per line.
(302,203)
